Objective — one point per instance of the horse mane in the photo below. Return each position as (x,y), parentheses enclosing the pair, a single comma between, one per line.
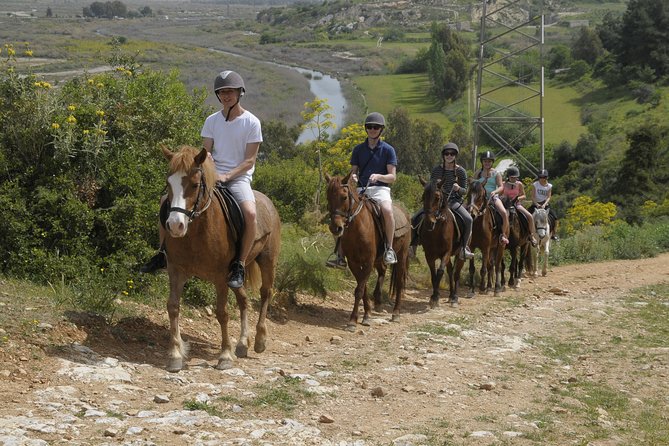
(336,182)
(184,161)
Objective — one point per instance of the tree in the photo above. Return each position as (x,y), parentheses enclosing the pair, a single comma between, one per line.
(414,140)
(587,46)
(447,63)
(645,27)
(558,57)
(317,117)
(49,12)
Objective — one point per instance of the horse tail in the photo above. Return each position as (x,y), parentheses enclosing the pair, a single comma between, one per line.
(253,276)
(398,275)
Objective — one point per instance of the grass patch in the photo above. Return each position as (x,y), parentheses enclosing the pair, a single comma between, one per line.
(204,406)
(426,331)
(559,350)
(282,396)
(646,320)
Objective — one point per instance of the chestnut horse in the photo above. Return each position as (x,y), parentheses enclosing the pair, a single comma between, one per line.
(486,238)
(437,235)
(352,222)
(519,243)
(199,242)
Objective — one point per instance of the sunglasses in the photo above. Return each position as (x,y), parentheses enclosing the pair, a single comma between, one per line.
(372,127)
(449,154)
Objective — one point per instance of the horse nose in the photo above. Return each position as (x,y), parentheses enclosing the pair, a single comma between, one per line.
(176,228)
(336,229)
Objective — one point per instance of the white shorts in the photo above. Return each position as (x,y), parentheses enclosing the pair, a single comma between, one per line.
(378,193)
(241,189)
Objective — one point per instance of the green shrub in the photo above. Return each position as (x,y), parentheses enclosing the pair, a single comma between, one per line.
(630,242)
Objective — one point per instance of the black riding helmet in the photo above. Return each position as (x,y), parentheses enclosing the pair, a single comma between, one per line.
(375,118)
(487,155)
(543,174)
(229,79)
(450,146)
(512,172)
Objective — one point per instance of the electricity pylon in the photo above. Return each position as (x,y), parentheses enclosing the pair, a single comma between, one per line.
(510,80)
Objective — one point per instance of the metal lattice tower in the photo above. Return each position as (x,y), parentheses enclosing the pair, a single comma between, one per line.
(510,81)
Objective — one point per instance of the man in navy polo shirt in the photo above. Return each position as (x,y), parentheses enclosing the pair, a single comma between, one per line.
(374,164)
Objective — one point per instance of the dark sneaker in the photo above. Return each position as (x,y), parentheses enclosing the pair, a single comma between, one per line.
(336,262)
(465,253)
(389,257)
(555,237)
(236,279)
(157,262)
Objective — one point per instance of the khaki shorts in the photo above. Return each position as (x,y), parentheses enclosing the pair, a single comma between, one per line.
(378,193)
(241,189)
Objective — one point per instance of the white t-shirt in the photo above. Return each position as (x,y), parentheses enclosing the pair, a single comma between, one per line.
(541,191)
(230,139)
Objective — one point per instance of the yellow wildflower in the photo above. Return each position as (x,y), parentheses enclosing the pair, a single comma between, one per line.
(71,107)
(86,132)
(55,126)
(71,120)
(100,113)
(28,53)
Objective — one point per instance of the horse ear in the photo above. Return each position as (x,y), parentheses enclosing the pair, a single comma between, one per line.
(201,157)
(345,180)
(422,181)
(327,178)
(166,152)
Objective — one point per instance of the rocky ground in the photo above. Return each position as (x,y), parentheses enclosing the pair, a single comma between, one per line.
(557,361)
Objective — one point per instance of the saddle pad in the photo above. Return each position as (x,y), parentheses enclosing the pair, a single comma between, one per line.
(231,210)
(402,221)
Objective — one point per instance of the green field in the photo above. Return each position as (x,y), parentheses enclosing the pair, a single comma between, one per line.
(562,104)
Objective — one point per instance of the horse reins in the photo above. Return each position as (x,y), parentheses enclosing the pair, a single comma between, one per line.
(194,213)
(349,215)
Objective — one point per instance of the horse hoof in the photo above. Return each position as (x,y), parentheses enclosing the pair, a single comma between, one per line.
(544,273)
(174,365)
(259,345)
(365,322)
(454,304)
(395,318)
(351,328)
(434,303)
(224,364)
(470,295)
(241,351)
(378,308)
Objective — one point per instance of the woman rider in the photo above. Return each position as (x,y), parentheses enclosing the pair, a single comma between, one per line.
(454,185)
(491,181)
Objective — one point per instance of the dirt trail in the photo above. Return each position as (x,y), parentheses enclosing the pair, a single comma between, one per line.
(507,370)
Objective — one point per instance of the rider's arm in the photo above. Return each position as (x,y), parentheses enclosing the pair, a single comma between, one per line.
(250,155)
(461,174)
(548,198)
(354,172)
(388,178)
(500,185)
(521,191)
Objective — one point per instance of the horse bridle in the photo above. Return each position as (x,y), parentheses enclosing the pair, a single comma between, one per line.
(194,213)
(349,215)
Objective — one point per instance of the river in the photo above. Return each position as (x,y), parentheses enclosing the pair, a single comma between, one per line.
(323,86)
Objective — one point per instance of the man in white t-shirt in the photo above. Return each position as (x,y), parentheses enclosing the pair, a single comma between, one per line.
(232,136)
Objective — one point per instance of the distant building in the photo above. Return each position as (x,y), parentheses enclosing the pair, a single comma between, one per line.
(578,23)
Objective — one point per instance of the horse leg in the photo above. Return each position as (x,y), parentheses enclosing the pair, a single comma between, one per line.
(177,349)
(435,274)
(225,358)
(546,251)
(472,272)
(455,273)
(485,259)
(267,270)
(359,293)
(380,277)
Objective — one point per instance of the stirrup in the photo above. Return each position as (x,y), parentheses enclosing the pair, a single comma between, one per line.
(335,261)
(503,240)
(389,257)
(236,279)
